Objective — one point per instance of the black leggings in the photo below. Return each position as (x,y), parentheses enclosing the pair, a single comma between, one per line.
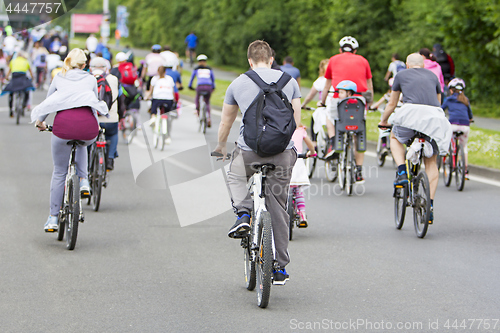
(11,99)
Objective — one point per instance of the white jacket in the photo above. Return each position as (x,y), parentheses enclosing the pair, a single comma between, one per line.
(426,119)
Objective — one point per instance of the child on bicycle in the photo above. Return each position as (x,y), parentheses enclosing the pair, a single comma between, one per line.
(300,178)
(459,114)
(206,84)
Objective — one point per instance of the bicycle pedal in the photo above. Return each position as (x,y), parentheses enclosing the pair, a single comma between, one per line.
(51,230)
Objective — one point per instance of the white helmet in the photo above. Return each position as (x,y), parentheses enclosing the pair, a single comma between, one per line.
(202,57)
(348,43)
(121,56)
(457,83)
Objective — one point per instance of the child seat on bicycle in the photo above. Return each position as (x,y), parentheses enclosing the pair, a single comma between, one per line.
(351,118)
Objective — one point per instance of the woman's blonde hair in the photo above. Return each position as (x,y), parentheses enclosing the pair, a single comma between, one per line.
(75,59)
(322,67)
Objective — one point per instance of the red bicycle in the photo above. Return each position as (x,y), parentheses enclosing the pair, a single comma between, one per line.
(454,162)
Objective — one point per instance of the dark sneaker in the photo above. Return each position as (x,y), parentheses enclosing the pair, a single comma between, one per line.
(241,227)
(209,122)
(401,178)
(330,152)
(431,217)
(359,177)
(467,175)
(280,277)
(11,114)
(110,164)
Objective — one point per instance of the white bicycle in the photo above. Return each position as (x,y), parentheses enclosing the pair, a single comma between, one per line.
(163,126)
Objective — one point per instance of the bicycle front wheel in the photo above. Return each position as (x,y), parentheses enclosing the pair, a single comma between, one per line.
(265,261)
(460,168)
(60,224)
(250,277)
(421,204)
(342,170)
(73,212)
(311,165)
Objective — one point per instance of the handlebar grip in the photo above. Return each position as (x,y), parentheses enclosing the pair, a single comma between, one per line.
(304,155)
(217,154)
(385,127)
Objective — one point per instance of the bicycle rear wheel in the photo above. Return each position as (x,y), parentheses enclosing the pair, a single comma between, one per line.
(265,261)
(250,277)
(421,204)
(460,168)
(291,214)
(351,167)
(342,170)
(400,202)
(98,174)
(447,168)
(19,106)
(73,212)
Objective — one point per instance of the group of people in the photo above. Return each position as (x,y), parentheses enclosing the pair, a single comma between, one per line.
(75,99)
(416,88)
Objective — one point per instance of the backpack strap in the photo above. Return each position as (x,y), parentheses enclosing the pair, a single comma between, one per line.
(280,84)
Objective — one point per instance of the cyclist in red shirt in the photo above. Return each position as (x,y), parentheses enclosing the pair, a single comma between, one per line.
(347,65)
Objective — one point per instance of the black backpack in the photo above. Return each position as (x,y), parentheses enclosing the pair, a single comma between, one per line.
(268,122)
(104,92)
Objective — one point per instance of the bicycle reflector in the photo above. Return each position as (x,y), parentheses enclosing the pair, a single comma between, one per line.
(100,144)
(351,127)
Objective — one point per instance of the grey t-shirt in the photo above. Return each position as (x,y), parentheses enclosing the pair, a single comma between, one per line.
(418,85)
(242,91)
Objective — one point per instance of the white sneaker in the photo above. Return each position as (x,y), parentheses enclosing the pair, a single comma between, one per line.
(51,224)
(168,141)
(84,188)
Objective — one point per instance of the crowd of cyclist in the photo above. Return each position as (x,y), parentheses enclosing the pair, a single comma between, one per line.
(116,86)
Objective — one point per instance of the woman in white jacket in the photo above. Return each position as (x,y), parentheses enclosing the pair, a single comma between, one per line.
(72,95)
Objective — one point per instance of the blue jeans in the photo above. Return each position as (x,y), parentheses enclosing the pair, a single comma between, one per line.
(111,133)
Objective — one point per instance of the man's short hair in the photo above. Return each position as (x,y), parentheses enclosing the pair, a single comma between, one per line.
(166,48)
(259,51)
(415,59)
(395,56)
(288,60)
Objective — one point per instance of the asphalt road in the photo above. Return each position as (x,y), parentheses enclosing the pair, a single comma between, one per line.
(136,269)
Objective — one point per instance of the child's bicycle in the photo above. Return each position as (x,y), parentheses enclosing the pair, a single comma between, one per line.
(128,124)
(98,175)
(258,246)
(163,125)
(415,194)
(292,209)
(454,162)
(71,212)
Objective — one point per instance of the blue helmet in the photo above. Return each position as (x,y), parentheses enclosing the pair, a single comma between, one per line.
(347,85)
(156,47)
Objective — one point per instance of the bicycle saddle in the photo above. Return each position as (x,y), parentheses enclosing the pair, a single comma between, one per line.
(263,167)
(76,143)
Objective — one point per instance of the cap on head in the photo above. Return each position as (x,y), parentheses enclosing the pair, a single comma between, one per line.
(348,44)
(121,56)
(156,47)
(347,85)
(457,83)
(202,57)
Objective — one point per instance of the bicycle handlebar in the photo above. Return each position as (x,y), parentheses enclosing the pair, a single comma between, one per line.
(304,155)
(219,155)
(385,127)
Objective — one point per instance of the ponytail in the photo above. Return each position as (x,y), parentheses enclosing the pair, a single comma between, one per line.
(75,59)
(461,96)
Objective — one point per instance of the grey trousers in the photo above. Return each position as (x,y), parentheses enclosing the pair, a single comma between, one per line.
(277,186)
(61,152)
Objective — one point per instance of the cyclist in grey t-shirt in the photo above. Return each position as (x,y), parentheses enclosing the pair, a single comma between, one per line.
(240,95)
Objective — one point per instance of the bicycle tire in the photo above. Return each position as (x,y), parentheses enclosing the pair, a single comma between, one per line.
(60,223)
(265,262)
(342,170)
(19,107)
(98,178)
(460,168)
(421,204)
(291,214)
(250,275)
(400,203)
(351,177)
(73,212)
(311,165)
(447,168)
